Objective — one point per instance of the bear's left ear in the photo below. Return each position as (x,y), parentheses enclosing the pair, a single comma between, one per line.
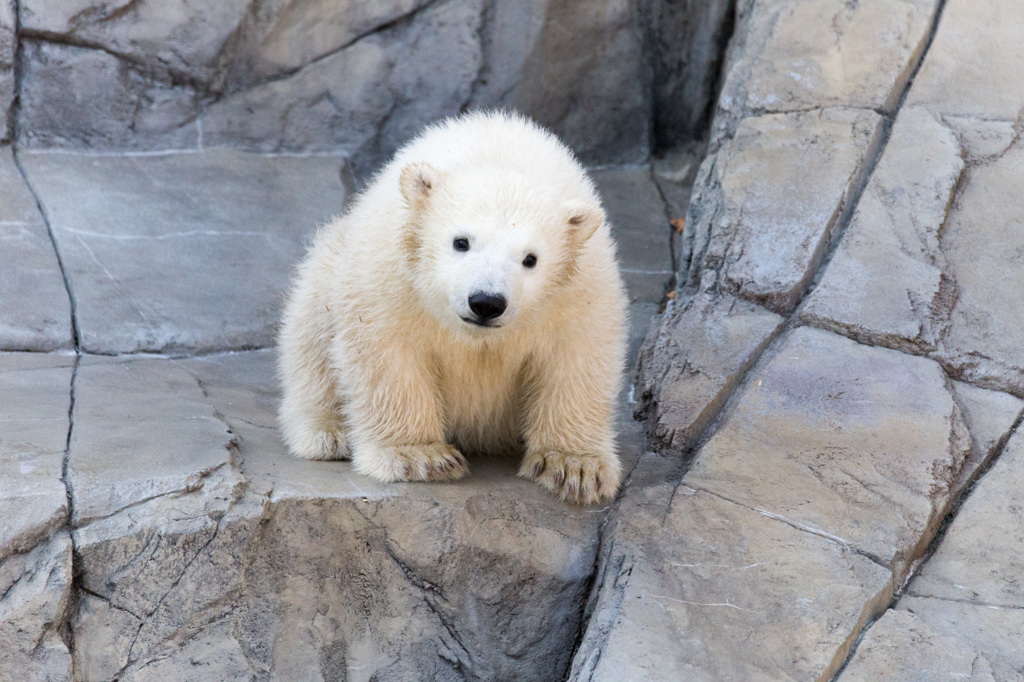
(583,221)
(418,182)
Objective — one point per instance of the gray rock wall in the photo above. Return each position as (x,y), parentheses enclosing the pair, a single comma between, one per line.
(353,77)
(7,49)
(686,45)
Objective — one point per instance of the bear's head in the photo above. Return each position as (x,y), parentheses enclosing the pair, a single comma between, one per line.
(488,246)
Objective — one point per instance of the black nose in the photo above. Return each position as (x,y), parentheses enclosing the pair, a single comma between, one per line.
(487,306)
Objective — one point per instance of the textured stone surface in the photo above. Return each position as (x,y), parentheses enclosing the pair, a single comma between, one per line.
(828,53)
(578,68)
(182,251)
(185,37)
(984,245)
(860,444)
(902,646)
(886,280)
(35,550)
(981,557)
(994,633)
(34,397)
(8,45)
(973,65)
(795,55)
(940,243)
(364,99)
(128,106)
(990,416)
(35,313)
(687,46)
(694,587)
(154,410)
(345,77)
(770,199)
(317,570)
(692,360)
(35,595)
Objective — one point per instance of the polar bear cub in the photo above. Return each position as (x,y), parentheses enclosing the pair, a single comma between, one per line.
(468,301)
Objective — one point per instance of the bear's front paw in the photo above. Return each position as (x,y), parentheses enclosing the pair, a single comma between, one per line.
(580,479)
(308,443)
(430,462)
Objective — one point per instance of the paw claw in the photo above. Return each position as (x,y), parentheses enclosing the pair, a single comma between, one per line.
(430,462)
(580,479)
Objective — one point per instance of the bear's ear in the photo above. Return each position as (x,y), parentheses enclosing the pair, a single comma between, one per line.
(418,182)
(583,221)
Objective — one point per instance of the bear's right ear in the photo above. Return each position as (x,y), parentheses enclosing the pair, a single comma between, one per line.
(418,182)
(584,219)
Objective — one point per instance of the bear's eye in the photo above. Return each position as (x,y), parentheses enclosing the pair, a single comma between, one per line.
(530,260)
(461,244)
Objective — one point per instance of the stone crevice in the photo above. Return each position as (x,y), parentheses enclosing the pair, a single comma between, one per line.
(112,15)
(673,256)
(85,590)
(194,484)
(65,274)
(164,71)
(485,31)
(131,647)
(232,444)
(936,540)
(394,22)
(594,584)
(595,580)
(621,570)
(67,632)
(970,602)
(967,490)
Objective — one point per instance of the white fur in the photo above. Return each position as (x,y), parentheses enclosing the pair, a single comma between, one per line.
(376,360)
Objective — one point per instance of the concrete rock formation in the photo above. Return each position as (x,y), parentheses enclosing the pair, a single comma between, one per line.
(854,218)
(826,479)
(352,77)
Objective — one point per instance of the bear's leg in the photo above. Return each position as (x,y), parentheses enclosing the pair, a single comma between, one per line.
(310,414)
(397,430)
(570,440)
(312,429)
